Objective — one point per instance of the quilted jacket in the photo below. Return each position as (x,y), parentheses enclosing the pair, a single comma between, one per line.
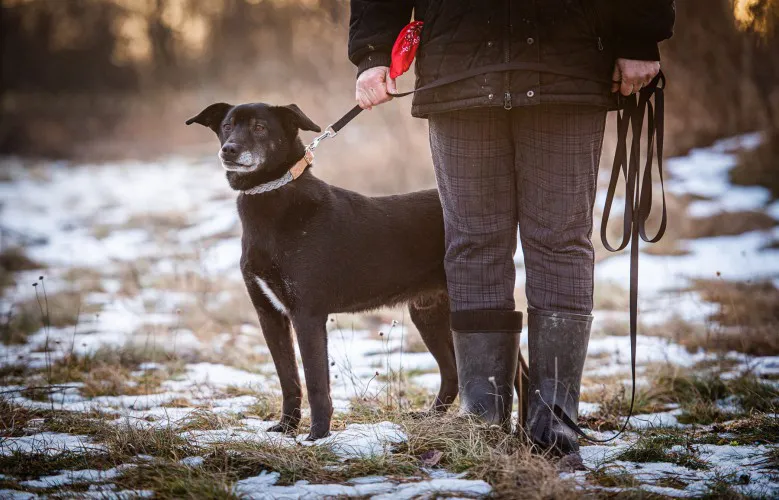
(569,45)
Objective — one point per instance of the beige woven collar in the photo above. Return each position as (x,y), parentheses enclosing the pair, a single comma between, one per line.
(289,176)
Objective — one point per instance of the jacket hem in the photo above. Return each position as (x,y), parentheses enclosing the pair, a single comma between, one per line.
(425,110)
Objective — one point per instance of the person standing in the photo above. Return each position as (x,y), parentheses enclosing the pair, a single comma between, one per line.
(516,148)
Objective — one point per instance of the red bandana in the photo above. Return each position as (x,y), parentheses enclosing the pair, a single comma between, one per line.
(405,48)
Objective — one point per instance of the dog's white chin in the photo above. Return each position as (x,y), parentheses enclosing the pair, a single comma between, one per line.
(242,169)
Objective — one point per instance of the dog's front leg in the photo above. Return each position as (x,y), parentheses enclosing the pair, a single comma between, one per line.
(278,337)
(312,340)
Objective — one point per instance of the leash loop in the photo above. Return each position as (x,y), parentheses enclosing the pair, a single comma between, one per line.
(637,208)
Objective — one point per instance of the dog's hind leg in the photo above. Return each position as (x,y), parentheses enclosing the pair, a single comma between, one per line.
(278,337)
(430,315)
(312,340)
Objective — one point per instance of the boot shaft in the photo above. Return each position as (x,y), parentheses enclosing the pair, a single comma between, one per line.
(486,346)
(558,347)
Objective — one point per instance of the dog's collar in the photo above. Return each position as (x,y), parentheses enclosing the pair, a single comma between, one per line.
(289,176)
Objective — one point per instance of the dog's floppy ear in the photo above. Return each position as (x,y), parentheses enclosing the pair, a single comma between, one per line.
(212,116)
(292,115)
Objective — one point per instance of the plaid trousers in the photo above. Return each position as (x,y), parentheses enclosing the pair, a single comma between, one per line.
(531,167)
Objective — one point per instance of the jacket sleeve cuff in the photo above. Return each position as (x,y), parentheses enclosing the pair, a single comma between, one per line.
(372,60)
(639,50)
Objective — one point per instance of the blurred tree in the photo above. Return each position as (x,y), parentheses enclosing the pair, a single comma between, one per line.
(759,19)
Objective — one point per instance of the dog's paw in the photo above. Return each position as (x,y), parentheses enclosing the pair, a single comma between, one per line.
(287,429)
(314,436)
(420,415)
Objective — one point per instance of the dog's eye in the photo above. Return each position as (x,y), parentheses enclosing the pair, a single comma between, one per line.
(259,128)
(227,127)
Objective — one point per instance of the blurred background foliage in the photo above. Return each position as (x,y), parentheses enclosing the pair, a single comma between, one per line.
(99,80)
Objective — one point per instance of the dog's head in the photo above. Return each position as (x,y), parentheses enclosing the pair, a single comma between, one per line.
(258,140)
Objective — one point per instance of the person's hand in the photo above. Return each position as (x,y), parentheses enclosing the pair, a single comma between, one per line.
(631,75)
(374,86)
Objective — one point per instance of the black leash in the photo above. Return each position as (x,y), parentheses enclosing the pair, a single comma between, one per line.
(631,113)
(463,75)
(638,204)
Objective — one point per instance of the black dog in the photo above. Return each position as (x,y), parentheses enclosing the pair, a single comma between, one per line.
(311,249)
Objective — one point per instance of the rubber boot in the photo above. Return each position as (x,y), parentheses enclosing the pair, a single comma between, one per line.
(486,347)
(558,345)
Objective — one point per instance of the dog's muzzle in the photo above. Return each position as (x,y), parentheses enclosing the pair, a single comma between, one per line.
(244,163)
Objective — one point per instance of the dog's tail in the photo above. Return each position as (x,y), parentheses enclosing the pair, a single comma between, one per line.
(521,385)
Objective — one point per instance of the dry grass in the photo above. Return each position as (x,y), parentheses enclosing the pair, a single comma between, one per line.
(692,336)
(170,479)
(729,224)
(109,371)
(219,305)
(109,380)
(205,420)
(159,224)
(748,313)
(615,403)
(29,316)
(699,392)
(756,428)
(23,466)
(759,167)
(84,279)
(746,321)
(698,395)
(16,420)
(503,460)
(610,296)
(14,259)
(673,447)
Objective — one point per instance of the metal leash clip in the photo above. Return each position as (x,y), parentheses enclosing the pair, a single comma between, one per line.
(328,133)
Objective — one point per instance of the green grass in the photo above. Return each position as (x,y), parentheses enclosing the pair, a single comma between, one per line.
(24,466)
(108,371)
(505,461)
(664,446)
(613,476)
(698,395)
(615,404)
(173,480)
(756,428)
(721,488)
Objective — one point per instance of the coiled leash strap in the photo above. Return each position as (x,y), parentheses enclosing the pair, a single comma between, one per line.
(638,204)
(632,111)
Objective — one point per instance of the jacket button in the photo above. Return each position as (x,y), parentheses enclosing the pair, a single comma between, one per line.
(490,43)
(530,93)
(530,41)
(491,96)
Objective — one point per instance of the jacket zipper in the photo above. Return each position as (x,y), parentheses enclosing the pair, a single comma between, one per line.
(592,16)
(507,58)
